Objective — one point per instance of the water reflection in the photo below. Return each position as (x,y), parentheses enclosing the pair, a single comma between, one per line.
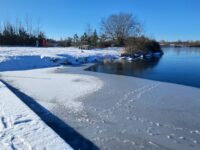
(177,65)
(125,67)
(182,50)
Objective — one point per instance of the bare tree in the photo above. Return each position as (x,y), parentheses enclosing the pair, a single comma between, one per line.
(1,27)
(28,23)
(38,27)
(120,26)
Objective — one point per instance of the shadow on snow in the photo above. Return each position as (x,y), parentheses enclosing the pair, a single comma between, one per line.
(70,135)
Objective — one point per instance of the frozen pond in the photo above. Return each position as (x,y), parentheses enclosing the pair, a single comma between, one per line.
(177,65)
(125,113)
(95,110)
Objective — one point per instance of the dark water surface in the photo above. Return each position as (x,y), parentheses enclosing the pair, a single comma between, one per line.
(177,65)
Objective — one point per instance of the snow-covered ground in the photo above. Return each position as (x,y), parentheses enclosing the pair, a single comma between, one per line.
(21,58)
(22,129)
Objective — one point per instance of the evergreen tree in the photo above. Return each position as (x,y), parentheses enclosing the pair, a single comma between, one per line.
(17,35)
(94,38)
(23,36)
(68,42)
(41,38)
(84,39)
(76,40)
(1,39)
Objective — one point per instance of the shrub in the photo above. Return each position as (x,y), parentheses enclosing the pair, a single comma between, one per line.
(104,44)
(141,44)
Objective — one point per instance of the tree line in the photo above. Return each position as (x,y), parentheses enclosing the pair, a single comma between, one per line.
(180,43)
(85,39)
(114,31)
(18,35)
(122,29)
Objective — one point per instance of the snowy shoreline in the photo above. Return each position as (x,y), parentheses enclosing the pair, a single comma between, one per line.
(24,58)
(20,128)
(28,58)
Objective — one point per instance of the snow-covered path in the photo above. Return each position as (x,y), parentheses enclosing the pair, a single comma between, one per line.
(22,129)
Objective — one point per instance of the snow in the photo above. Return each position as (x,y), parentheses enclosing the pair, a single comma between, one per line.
(21,58)
(50,87)
(122,112)
(112,111)
(22,129)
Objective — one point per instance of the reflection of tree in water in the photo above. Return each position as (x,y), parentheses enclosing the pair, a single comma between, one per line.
(141,65)
(180,50)
(125,67)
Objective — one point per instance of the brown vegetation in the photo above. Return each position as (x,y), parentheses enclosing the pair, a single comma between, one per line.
(141,44)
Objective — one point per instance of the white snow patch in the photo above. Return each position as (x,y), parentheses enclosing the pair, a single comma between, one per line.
(21,128)
(21,58)
(48,86)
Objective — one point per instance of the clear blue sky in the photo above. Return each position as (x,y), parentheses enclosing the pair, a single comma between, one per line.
(162,19)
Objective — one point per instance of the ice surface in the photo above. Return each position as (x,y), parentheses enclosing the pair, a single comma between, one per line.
(123,112)
(51,87)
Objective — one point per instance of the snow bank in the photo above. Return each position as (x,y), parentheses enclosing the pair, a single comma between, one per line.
(21,58)
(20,128)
